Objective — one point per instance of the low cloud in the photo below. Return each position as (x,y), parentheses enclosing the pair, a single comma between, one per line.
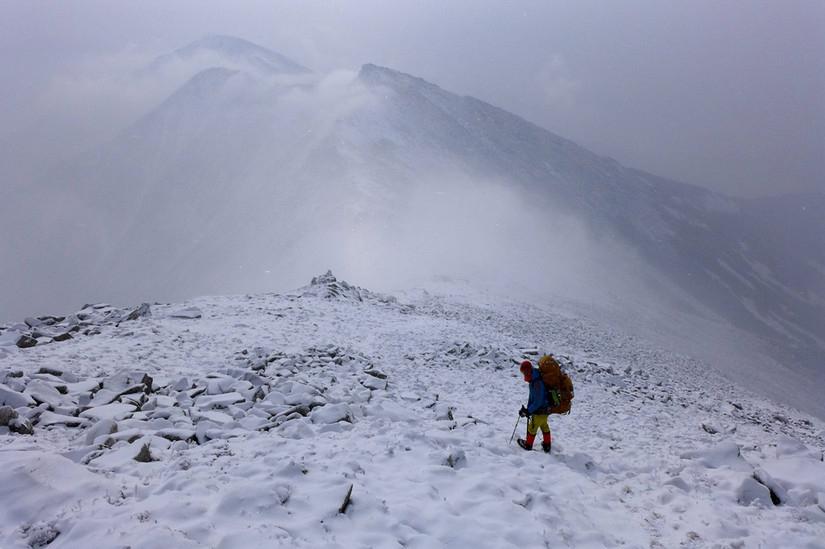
(559,88)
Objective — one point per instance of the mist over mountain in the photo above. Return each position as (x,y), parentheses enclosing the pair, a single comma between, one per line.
(257,173)
(228,51)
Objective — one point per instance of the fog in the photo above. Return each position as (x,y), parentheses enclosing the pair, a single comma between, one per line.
(244,194)
(78,78)
(721,95)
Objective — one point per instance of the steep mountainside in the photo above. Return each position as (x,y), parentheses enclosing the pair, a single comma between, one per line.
(758,263)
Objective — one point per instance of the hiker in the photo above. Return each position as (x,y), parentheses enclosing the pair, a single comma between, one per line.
(538,407)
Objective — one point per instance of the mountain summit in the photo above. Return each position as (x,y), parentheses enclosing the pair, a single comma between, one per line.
(236,52)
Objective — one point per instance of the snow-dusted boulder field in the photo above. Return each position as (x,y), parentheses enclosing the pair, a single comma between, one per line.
(333,416)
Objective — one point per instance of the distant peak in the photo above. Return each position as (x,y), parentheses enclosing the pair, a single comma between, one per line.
(226,44)
(375,74)
(215,39)
(237,50)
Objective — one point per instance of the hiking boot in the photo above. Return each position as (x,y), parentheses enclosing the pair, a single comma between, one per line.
(523,444)
(546,447)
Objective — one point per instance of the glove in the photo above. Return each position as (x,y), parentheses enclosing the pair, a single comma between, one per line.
(523,412)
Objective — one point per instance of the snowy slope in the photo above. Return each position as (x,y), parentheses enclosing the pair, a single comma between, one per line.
(757,263)
(258,414)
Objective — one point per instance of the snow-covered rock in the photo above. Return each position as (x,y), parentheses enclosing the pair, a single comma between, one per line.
(104,427)
(15,399)
(218,401)
(48,419)
(751,491)
(25,341)
(332,413)
(724,454)
(11,419)
(795,479)
(114,411)
(371,382)
(46,393)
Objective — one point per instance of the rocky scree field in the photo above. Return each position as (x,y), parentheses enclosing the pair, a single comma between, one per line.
(333,416)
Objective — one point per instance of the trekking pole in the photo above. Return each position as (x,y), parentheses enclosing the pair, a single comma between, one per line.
(514,430)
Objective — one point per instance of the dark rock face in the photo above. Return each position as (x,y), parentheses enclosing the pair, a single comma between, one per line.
(88,321)
(144,456)
(7,413)
(11,419)
(143,311)
(25,342)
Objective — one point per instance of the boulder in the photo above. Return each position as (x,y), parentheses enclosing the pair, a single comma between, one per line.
(144,455)
(102,427)
(65,376)
(332,413)
(174,434)
(143,311)
(9,397)
(89,385)
(777,492)
(724,454)
(456,460)
(114,411)
(181,385)
(7,414)
(274,397)
(224,400)
(50,418)
(103,396)
(752,492)
(21,426)
(218,418)
(50,320)
(16,424)
(42,391)
(374,383)
(217,386)
(25,341)
(164,401)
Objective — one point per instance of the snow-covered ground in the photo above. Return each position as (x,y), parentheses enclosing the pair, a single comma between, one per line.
(253,417)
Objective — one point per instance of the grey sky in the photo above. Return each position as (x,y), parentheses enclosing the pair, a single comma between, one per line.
(726,95)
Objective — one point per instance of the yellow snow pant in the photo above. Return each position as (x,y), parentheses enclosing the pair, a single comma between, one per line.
(538,422)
